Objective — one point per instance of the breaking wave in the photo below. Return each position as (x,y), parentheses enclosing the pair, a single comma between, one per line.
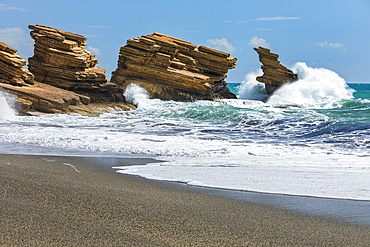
(316,87)
(251,89)
(6,113)
(136,95)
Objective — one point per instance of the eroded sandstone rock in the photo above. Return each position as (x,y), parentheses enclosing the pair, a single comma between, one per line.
(32,97)
(44,98)
(173,69)
(60,59)
(274,74)
(11,67)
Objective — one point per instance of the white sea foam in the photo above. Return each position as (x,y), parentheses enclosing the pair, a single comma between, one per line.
(136,95)
(6,113)
(316,87)
(251,89)
(295,171)
(72,167)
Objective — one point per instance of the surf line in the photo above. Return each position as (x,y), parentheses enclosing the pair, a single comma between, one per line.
(71,166)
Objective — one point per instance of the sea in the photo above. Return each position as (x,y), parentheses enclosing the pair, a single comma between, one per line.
(311,138)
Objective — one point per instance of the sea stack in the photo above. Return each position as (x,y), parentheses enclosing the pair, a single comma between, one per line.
(274,74)
(60,59)
(11,67)
(30,97)
(28,94)
(173,69)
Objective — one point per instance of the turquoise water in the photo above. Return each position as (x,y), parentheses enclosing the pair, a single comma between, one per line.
(234,87)
(346,123)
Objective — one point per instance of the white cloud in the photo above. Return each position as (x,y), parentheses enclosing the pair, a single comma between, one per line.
(14,37)
(7,7)
(264,29)
(222,44)
(94,50)
(255,41)
(278,18)
(332,46)
(19,40)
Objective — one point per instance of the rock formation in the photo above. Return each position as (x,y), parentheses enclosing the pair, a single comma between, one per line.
(11,67)
(63,77)
(31,97)
(60,59)
(274,74)
(173,69)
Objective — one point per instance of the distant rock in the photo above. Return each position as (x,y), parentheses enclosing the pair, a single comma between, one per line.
(173,69)
(274,74)
(32,97)
(61,60)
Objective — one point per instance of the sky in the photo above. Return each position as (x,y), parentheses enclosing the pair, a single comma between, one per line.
(324,34)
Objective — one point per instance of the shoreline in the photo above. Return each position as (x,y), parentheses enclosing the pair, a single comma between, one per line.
(344,210)
(44,201)
(350,211)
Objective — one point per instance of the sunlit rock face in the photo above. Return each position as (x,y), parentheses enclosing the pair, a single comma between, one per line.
(173,69)
(61,60)
(11,67)
(29,96)
(274,74)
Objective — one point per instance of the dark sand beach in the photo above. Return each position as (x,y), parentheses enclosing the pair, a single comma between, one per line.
(45,201)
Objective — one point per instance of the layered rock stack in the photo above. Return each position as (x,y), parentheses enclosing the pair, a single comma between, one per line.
(274,74)
(26,92)
(29,96)
(173,69)
(11,67)
(60,59)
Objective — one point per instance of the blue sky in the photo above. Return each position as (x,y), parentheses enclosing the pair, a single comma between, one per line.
(324,34)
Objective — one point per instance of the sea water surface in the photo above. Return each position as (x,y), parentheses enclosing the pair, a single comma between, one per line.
(311,138)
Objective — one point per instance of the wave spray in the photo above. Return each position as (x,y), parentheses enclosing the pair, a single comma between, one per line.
(6,113)
(136,95)
(316,87)
(251,89)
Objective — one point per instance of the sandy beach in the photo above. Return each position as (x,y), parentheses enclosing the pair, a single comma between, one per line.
(45,201)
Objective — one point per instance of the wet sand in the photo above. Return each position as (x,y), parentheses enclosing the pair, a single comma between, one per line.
(46,201)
